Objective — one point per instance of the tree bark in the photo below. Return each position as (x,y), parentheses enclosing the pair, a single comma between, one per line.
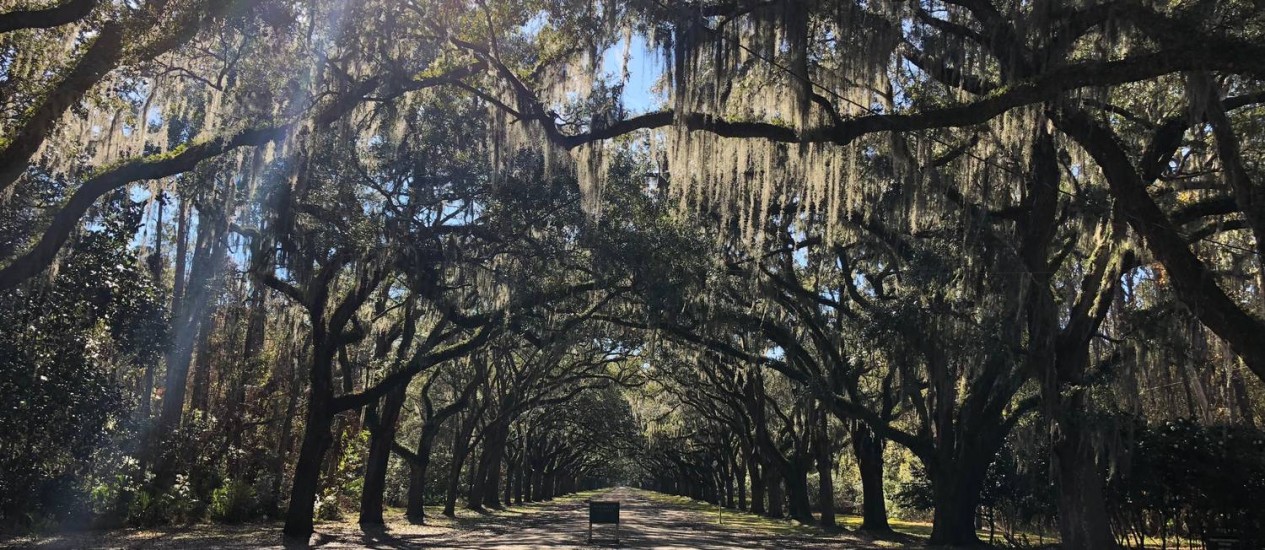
(381,439)
(416,511)
(757,485)
(825,474)
(64,13)
(1083,518)
(102,56)
(460,448)
(956,487)
(796,478)
(773,488)
(317,437)
(867,447)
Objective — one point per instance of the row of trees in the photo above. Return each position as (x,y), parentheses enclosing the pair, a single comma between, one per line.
(972,229)
(265,332)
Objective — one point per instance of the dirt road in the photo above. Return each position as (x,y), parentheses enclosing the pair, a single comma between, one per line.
(648,520)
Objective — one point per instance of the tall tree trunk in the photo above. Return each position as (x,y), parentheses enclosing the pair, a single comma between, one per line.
(519,476)
(867,447)
(773,487)
(551,484)
(156,271)
(200,400)
(317,437)
(796,478)
(538,491)
(740,468)
(1083,518)
(482,491)
(825,473)
(757,485)
(416,512)
(194,313)
(416,499)
(460,448)
(252,348)
(495,457)
(182,257)
(511,470)
(956,487)
(1059,346)
(381,439)
(1242,400)
(728,477)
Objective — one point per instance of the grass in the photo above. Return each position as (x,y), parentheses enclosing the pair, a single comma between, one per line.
(733,518)
(757,523)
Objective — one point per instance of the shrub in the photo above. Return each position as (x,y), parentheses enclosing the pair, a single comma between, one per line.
(234,502)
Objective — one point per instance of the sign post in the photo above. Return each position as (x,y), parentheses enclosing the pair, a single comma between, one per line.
(604,512)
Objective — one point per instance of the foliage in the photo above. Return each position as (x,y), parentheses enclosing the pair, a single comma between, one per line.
(68,348)
(234,502)
(1193,480)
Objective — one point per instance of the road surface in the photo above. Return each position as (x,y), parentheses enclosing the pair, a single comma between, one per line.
(648,520)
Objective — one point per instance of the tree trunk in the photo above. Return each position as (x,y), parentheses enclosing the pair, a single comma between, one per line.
(193,314)
(460,448)
(538,484)
(551,484)
(381,438)
(1083,515)
(510,470)
(519,475)
(200,400)
(317,437)
(773,487)
(867,447)
(729,485)
(492,481)
(956,487)
(182,256)
(757,485)
(485,482)
(1059,347)
(416,512)
(284,442)
(826,484)
(796,478)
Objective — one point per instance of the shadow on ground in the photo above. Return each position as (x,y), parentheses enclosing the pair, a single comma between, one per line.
(645,523)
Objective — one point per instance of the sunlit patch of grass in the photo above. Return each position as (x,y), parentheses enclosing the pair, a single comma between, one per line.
(913,528)
(744,521)
(756,523)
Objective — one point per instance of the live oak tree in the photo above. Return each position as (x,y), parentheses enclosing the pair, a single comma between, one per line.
(935,221)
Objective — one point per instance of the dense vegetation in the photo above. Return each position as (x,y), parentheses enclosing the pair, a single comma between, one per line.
(990,263)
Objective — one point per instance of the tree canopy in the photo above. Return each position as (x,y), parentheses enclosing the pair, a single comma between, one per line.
(940,259)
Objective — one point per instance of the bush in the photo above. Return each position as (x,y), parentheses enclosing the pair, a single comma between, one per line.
(175,505)
(327,508)
(234,502)
(1193,480)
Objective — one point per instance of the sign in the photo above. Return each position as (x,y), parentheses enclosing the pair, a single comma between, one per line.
(601,512)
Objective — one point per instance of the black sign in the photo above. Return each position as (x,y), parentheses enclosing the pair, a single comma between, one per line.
(604,512)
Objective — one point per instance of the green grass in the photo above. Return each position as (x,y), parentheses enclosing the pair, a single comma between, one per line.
(747,520)
(732,518)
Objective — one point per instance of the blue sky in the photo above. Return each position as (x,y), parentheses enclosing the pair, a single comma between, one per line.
(644,68)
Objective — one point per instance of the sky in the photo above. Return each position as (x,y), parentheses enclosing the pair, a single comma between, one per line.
(644,67)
